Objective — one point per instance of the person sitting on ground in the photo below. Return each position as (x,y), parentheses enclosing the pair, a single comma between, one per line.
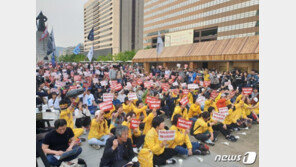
(202,129)
(139,109)
(182,110)
(148,121)
(89,100)
(133,133)
(161,154)
(54,102)
(56,143)
(118,150)
(127,105)
(99,131)
(194,111)
(82,116)
(182,144)
(67,114)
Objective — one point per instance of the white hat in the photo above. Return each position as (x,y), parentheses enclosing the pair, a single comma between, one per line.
(98,112)
(256,99)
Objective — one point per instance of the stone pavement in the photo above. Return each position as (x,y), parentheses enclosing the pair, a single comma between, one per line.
(245,143)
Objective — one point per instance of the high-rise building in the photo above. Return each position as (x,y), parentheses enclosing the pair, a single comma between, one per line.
(118,25)
(193,21)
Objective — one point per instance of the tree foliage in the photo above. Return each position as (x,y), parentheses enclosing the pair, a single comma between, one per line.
(73,58)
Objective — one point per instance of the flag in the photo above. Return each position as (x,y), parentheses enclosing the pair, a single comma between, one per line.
(159,47)
(91,35)
(50,44)
(90,53)
(53,59)
(77,49)
(44,34)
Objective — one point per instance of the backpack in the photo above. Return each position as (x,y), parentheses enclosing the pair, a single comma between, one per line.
(145,158)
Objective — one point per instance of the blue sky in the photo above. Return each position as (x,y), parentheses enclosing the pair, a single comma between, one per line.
(66,19)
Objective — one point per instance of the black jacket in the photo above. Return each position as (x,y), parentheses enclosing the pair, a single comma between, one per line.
(109,155)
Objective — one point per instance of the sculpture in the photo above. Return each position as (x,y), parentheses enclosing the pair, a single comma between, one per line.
(41,22)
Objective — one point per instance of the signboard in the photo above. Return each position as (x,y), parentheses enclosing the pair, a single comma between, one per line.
(223,110)
(104,83)
(108,97)
(178,38)
(154,104)
(184,124)
(149,99)
(193,86)
(135,123)
(247,91)
(166,135)
(113,83)
(116,87)
(132,96)
(184,100)
(201,100)
(185,91)
(106,106)
(218,116)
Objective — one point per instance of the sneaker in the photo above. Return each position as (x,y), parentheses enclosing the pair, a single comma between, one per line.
(196,152)
(97,147)
(82,139)
(231,138)
(171,161)
(205,152)
(209,142)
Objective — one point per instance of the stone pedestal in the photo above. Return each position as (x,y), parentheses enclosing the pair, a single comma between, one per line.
(41,47)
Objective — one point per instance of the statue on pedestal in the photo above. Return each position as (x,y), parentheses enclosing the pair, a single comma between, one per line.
(40,21)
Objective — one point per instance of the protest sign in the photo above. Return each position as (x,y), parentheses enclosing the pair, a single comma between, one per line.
(147,84)
(108,97)
(116,87)
(223,110)
(175,91)
(154,104)
(247,91)
(173,76)
(175,83)
(167,76)
(113,83)
(106,106)
(183,84)
(139,82)
(54,90)
(185,91)
(184,124)
(77,78)
(230,87)
(184,100)
(218,116)
(135,123)
(207,83)
(201,100)
(59,84)
(166,135)
(185,65)
(132,96)
(193,86)
(214,94)
(104,83)
(95,80)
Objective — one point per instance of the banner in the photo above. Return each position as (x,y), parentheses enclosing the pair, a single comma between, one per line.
(132,96)
(193,86)
(166,135)
(108,96)
(207,83)
(184,100)
(106,106)
(104,83)
(247,91)
(218,116)
(185,91)
(184,124)
(135,123)
(147,84)
(223,110)
(154,104)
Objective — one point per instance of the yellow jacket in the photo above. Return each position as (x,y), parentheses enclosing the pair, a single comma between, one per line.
(190,98)
(98,129)
(178,110)
(127,108)
(109,114)
(67,114)
(229,119)
(148,123)
(256,110)
(207,77)
(152,142)
(194,110)
(238,113)
(210,103)
(180,138)
(201,126)
(130,134)
(138,111)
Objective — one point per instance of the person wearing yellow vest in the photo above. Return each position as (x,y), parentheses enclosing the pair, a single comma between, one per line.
(127,105)
(67,114)
(148,121)
(99,131)
(182,144)
(202,129)
(182,110)
(161,154)
(139,109)
(134,134)
(254,109)
(206,76)
(194,111)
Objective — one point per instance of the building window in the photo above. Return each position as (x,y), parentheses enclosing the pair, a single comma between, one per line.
(207,34)
(154,41)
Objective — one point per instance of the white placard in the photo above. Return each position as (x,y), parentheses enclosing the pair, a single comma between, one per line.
(132,96)
(218,116)
(193,86)
(166,135)
(108,97)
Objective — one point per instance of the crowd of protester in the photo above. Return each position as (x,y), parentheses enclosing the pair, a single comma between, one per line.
(112,129)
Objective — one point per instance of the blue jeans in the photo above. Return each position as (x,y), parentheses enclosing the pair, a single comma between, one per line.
(183,149)
(92,109)
(102,141)
(53,161)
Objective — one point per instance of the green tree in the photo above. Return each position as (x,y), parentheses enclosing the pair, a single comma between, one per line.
(72,58)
